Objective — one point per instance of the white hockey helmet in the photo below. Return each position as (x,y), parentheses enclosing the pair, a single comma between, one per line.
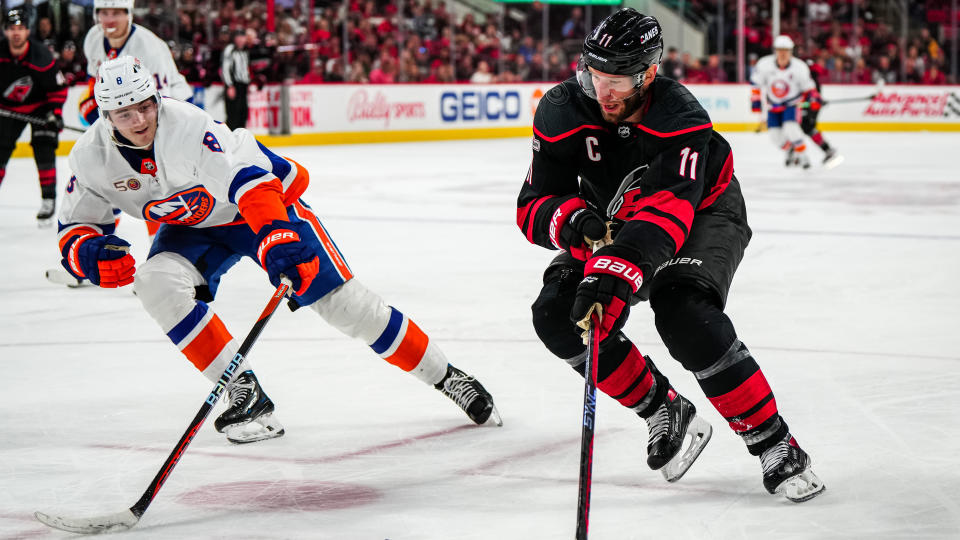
(123,81)
(114,4)
(783,41)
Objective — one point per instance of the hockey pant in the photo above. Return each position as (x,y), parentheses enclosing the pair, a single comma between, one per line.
(785,131)
(183,271)
(687,295)
(44,142)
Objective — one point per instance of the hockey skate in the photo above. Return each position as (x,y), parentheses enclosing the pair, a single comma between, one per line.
(45,214)
(670,427)
(832,158)
(786,471)
(470,395)
(791,159)
(249,417)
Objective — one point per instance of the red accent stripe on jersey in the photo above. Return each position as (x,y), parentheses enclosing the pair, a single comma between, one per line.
(742,398)
(411,349)
(567,134)
(668,203)
(205,347)
(523,213)
(632,368)
(24,109)
(755,419)
(726,174)
(29,65)
(674,133)
(678,235)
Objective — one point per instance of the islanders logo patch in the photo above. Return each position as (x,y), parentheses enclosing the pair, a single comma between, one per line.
(188,207)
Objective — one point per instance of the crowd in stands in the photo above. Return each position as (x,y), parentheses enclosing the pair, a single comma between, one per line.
(844,42)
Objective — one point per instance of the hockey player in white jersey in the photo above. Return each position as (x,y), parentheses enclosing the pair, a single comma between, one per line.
(115,35)
(783,81)
(221,196)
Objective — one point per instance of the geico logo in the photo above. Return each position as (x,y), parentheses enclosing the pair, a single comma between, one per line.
(619,268)
(472,105)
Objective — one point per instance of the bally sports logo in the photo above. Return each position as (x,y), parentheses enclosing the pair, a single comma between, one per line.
(188,207)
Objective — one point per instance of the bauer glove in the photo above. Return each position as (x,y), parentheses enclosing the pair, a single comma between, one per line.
(575,228)
(609,281)
(104,260)
(281,252)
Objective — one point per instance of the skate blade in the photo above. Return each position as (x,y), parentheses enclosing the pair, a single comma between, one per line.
(44,223)
(698,434)
(62,277)
(495,419)
(833,162)
(801,487)
(260,429)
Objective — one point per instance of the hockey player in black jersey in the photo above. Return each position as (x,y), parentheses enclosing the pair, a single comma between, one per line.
(30,85)
(632,184)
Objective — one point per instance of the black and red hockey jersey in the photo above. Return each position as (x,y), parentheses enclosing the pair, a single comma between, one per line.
(31,83)
(650,178)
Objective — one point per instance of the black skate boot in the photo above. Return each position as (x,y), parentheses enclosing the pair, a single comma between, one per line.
(670,426)
(249,418)
(470,395)
(791,159)
(45,214)
(786,471)
(832,158)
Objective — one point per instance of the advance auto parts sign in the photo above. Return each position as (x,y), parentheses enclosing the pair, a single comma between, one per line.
(905,102)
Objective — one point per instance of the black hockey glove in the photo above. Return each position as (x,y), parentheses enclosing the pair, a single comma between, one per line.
(609,281)
(575,228)
(54,121)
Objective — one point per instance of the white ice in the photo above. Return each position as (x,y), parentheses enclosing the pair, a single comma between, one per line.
(848,296)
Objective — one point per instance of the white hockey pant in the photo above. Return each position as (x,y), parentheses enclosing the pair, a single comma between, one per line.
(362,314)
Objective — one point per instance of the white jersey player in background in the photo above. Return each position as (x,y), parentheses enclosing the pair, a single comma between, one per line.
(115,35)
(783,81)
(221,196)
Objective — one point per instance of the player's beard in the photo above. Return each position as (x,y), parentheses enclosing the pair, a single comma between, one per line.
(630,106)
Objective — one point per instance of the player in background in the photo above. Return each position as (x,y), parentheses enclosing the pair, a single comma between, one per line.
(31,85)
(783,81)
(810,110)
(115,35)
(221,196)
(630,181)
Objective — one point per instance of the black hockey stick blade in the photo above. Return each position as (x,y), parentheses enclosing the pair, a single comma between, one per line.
(589,422)
(126,519)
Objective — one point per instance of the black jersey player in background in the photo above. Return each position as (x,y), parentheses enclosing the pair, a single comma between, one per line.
(810,110)
(616,144)
(30,84)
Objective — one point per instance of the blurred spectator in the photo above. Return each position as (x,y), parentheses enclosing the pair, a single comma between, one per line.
(714,71)
(671,67)
(72,65)
(482,75)
(386,72)
(933,75)
(573,27)
(884,72)
(316,73)
(190,68)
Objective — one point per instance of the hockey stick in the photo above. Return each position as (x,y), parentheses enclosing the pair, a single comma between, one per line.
(126,519)
(806,104)
(34,120)
(589,422)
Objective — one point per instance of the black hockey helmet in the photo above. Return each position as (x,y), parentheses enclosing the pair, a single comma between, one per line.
(14,17)
(625,43)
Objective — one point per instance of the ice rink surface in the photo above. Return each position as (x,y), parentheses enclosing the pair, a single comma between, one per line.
(848,296)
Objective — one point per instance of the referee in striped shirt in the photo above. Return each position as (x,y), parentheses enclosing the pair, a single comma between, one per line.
(236,78)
